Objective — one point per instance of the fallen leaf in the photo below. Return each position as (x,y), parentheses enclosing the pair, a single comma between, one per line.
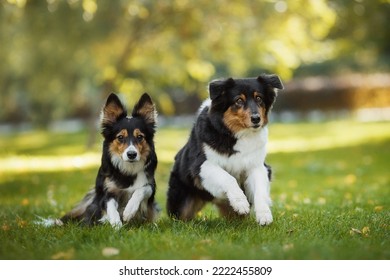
(378,208)
(25,202)
(206,241)
(21,223)
(354,231)
(110,252)
(287,247)
(64,255)
(366,231)
(5,227)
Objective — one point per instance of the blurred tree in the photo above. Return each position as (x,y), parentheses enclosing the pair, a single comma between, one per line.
(360,39)
(362,24)
(61,58)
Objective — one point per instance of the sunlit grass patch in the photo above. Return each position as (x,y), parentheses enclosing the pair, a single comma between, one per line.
(327,135)
(20,164)
(43,151)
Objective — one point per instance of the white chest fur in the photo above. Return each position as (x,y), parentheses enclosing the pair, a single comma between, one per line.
(140,181)
(250,152)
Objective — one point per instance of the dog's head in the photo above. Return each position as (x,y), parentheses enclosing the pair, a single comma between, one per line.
(128,138)
(244,103)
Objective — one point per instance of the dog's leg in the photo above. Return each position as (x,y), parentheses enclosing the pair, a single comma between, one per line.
(222,185)
(191,207)
(139,195)
(257,187)
(112,215)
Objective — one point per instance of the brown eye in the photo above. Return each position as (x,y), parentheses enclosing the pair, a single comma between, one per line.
(120,138)
(239,102)
(140,138)
(258,99)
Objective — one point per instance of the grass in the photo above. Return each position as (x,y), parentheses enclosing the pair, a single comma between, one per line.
(331,196)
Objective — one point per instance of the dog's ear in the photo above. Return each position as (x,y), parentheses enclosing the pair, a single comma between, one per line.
(146,109)
(218,87)
(113,110)
(272,80)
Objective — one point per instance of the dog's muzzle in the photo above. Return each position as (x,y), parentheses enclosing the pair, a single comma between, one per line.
(131,154)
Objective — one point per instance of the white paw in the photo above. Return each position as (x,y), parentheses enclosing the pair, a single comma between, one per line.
(116,225)
(240,204)
(264,217)
(129,212)
(114,221)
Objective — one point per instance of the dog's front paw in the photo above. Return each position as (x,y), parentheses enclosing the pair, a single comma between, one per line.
(240,204)
(264,217)
(114,221)
(129,213)
(116,225)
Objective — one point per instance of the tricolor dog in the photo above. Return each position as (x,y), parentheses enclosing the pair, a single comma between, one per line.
(224,159)
(125,185)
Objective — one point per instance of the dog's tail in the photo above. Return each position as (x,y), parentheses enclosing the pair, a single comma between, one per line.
(76,214)
(48,222)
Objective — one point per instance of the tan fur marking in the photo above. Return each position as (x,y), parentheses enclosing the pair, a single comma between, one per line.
(262,111)
(112,188)
(243,97)
(117,146)
(111,112)
(236,120)
(148,111)
(263,115)
(191,208)
(227,211)
(142,146)
(198,183)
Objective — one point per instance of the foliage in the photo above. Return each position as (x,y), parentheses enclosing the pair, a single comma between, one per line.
(330,193)
(360,39)
(61,58)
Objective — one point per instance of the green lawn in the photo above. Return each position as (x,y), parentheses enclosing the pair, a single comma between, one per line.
(331,194)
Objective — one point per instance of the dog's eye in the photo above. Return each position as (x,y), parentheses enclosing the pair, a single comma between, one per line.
(239,102)
(258,99)
(140,138)
(120,138)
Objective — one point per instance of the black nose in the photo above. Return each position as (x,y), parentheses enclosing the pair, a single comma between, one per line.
(131,155)
(255,119)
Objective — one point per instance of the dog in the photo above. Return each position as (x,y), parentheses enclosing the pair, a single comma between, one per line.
(223,161)
(125,185)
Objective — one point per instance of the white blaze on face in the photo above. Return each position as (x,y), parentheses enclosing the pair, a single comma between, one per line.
(131,154)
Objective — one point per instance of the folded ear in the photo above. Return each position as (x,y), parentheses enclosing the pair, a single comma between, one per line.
(272,80)
(146,109)
(112,110)
(218,87)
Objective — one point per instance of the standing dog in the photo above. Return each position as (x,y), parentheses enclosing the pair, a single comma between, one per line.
(223,160)
(125,184)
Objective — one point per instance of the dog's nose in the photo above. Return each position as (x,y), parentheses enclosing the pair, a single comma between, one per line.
(255,119)
(131,155)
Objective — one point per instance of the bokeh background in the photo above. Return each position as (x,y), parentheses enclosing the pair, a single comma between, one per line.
(61,58)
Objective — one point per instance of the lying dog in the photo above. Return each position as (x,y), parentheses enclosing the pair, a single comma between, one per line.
(224,159)
(125,185)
